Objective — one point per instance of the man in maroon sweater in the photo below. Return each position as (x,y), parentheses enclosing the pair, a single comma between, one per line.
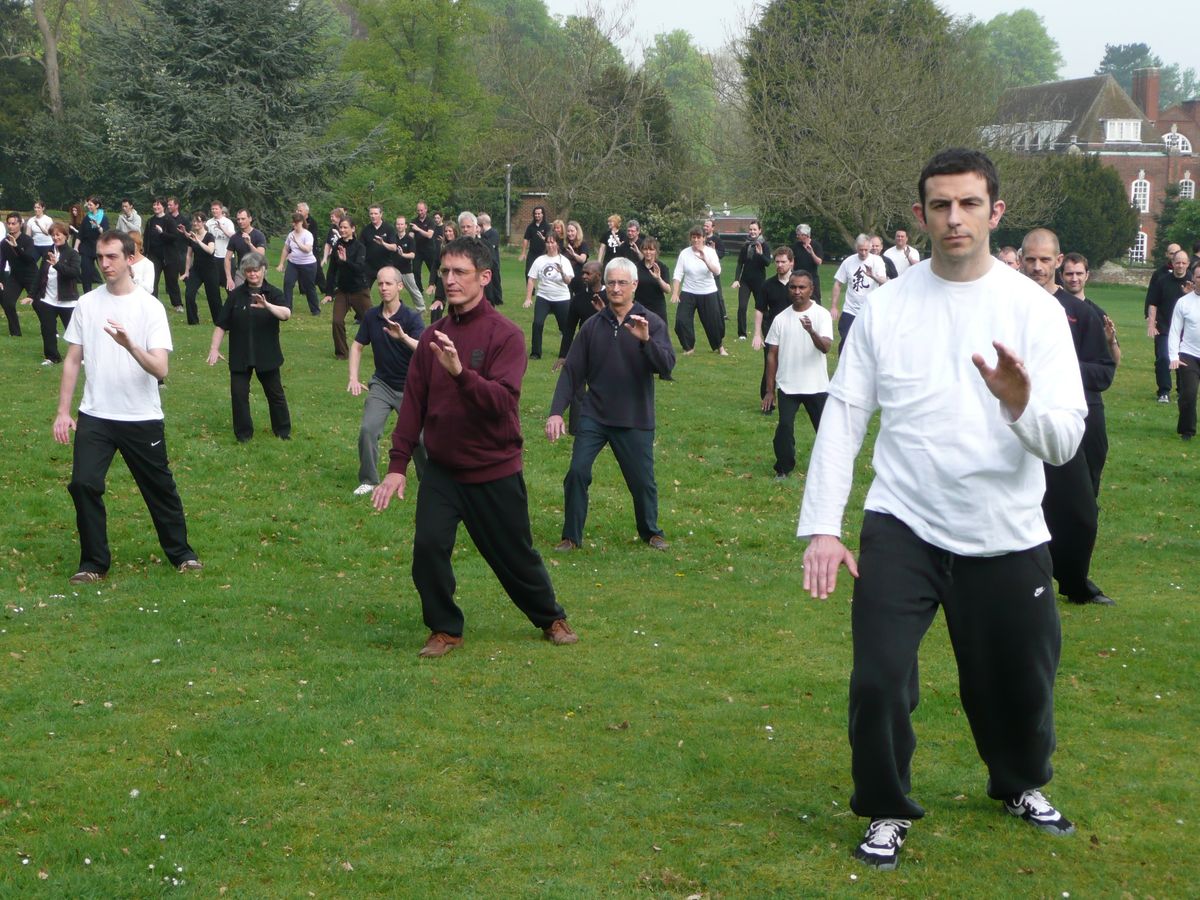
(462,396)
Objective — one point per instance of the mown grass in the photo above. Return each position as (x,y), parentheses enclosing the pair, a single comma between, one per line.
(266,728)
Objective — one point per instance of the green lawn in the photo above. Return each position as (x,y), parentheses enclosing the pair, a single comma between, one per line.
(266,729)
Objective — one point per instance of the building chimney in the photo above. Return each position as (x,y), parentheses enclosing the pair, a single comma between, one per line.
(1145,91)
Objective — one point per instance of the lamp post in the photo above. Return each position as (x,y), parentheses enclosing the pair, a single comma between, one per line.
(507,200)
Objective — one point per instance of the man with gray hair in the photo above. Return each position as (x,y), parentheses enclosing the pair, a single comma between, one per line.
(808,257)
(613,362)
(859,275)
(468,226)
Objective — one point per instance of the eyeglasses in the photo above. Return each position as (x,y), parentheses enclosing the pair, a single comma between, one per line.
(613,283)
(457,273)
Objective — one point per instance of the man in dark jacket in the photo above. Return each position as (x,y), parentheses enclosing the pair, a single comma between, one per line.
(461,398)
(616,355)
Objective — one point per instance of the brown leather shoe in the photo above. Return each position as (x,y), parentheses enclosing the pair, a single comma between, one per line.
(559,632)
(439,644)
(83,576)
(657,542)
(190,565)
(564,545)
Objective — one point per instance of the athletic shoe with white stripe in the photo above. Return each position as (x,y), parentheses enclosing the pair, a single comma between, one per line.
(881,844)
(1037,811)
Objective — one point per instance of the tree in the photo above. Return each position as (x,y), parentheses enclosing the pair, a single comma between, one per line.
(202,100)
(1093,216)
(1185,230)
(1019,48)
(1175,84)
(827,134)
(1164,222)
(686,77)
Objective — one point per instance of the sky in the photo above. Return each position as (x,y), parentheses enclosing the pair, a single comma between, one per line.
(1081,28)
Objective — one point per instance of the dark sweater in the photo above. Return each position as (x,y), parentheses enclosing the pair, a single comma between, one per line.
(752,265)
(351,275)
(22,260)
(253,332)
(471,422)
(1096,366)
(617,368)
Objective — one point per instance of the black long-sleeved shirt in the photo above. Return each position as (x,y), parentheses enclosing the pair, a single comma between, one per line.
(1096,366)
(351,275)
(1164,291)
(751,265)
(617,369)
(22,260)
(253,331)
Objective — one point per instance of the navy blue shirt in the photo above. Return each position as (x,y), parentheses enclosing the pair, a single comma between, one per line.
(392,356)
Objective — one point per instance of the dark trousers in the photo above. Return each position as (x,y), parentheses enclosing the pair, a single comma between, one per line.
(210,279)
(1189,381)
(634,450)
(745,293)
(541,309)
(711,320)
(430,261)
(1069,506)
(1095,444)
(239,395)
(89,274)
(143,446)
(1003,623)
(785,430)
(10,293)
(845,320)
(48,317)
(343,302)
(170,268)
(307,276)
(1162,363)
(496,514)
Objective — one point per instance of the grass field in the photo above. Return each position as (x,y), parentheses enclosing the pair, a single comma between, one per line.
(266,729)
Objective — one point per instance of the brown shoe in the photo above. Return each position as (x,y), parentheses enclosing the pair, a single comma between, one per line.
(439,644)
(190,565)
(559,632)
(85,577)
(565,545)
(657,542)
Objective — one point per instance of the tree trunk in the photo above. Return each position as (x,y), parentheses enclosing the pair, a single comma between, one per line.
(49,58)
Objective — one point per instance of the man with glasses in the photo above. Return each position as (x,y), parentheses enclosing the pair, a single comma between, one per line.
(462,400)
(613,361)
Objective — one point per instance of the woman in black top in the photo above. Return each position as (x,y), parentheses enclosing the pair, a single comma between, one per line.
(349,280)
(251,317)
(534,243)
(653,284)
(751,272)
(201,269)
(57,291)
(437,290)
(94,224)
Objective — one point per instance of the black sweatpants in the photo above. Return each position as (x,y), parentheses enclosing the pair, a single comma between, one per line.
(10,294)
(239,395)
(785,430)
(1069,506)
(210,280)
(1095,444)
(1003,624)
(746,292)
(143,446)
(711,320)
(496,514)
(170,267)
(1188,379)
(49,316)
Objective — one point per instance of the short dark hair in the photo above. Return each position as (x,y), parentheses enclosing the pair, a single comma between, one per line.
(346,219)
(127,200)
(784,251)
(13,215)
(956,161)
(473,249)
(696,231)
(112,236)
(1078,259)
(801,273)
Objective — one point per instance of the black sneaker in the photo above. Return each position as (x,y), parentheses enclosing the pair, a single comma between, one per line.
(1037,811)
(881,844)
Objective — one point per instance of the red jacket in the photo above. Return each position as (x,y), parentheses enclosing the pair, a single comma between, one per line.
(471,422)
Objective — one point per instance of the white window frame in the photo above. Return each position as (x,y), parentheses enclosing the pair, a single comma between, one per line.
(1123,131)
(1137,253)
(1187,189)
(1139,195)
(1177,143)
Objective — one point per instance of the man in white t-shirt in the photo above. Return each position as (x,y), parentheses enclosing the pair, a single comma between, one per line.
(858,275)
(901,254)
(221,227)
(797,347)
(120,333)
(974,372)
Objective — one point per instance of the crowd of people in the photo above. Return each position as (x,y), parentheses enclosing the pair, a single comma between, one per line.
(987,464)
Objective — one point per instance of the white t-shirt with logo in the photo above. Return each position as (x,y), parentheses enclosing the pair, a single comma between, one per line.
(803,369)
(853,274)
(551,273)
(902,259)
(115,386)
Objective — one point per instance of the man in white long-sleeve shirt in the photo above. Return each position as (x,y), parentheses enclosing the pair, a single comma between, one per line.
(974,372)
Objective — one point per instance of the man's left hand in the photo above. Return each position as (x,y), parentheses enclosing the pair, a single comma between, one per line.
(639,326)
(1008,381)
(555,428)
(447,354)
(117,332)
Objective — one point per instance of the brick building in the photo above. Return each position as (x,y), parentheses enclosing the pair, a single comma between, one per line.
(1094,115)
